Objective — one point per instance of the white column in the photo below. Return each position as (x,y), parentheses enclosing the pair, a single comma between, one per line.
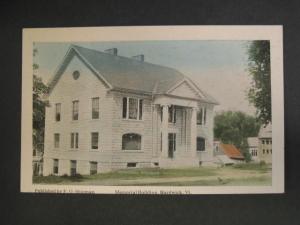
(193,131)
(164,130)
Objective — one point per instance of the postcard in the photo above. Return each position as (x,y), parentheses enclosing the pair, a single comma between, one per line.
(153,110)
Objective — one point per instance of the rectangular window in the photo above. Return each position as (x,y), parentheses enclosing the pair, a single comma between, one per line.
(200,144)
(56,140)
(124,108)
(131,164)
(172,114)
(57,111)
(132,108)
(172,144)
(201,116)
(140,109)
(94,140)
(75,110)
(55,166)
(74,140)
(93,167)
(95,108)
(73,167)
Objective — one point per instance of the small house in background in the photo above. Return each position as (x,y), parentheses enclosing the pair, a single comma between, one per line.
(253,148)
(265,143)
(227,154)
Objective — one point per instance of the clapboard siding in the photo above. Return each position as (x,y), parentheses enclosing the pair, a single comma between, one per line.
(206,131)
(122,126)
(84,89)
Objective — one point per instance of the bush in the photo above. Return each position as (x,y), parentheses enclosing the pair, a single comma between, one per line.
(262,163)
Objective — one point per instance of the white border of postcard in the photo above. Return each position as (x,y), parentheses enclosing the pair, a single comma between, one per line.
(96,34)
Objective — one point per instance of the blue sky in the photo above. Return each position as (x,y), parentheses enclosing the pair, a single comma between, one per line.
(219,67)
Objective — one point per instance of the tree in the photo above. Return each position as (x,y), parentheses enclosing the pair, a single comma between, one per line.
(234,128)
(259,69)
(39,104)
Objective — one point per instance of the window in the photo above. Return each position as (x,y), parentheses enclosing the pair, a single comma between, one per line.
(201,116)
(172,114)
(75,74)
(200,144)
(55,166)
(57,111)
(132,108)
(74,140)
(131,141)
(172,144)
(95,108)
(75,110)
(94,140)
(263,151)
(73,168)
(254,152)
(56,140)
(131,164)
(93,167)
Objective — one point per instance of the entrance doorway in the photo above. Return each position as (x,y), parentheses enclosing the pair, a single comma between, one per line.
(172,144)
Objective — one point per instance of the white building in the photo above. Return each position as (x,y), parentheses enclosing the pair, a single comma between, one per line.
(110,112)
(265,143)
(253,148)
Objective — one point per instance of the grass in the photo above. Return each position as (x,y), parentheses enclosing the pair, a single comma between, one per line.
(261,167)
(252,181)
(257,174)
(155,173)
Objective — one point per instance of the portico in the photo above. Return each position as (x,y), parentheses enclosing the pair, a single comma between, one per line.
(178,130)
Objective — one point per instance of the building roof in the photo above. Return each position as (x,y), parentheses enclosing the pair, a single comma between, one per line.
(252,141)
(123,73)
(265,131)
(231,151)
(224,159)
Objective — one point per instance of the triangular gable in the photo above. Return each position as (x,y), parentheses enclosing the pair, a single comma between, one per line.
(184,89)
(65,62)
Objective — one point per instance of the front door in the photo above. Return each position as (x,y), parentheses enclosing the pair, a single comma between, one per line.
(172,144)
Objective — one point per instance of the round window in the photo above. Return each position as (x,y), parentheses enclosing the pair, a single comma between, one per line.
(76,74)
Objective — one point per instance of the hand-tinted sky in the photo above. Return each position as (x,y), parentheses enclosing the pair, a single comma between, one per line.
(219,67)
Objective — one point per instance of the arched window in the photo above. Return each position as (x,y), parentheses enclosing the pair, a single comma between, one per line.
(200,144)
(131,141)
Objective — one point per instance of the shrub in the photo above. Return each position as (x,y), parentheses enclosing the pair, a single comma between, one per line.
(262,163)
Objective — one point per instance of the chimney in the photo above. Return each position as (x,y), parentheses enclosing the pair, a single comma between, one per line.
(140,58)
(112,51)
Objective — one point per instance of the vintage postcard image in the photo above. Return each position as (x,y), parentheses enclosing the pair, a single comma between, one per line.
(153,110)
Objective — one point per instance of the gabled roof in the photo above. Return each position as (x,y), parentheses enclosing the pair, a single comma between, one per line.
(231,151)
(122,73)
(265,131)
(252,141)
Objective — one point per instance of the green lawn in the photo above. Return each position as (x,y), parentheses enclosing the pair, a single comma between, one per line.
(243,174)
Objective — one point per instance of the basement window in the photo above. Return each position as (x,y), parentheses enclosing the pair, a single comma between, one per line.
(131,165)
